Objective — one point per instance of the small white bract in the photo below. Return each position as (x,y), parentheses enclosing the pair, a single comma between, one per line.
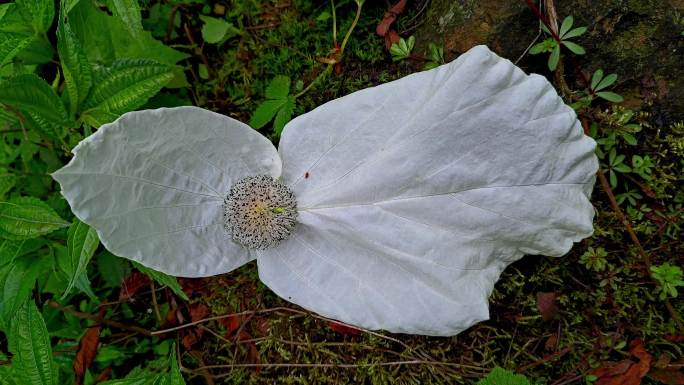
(411,197)
(260,212)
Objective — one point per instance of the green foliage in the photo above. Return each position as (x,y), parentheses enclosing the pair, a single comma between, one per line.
(82,241)
(553,44)
(402,50)
(500,376)
(27,217)
(163,279)
(29,342)
(125,86)
(669,277)
(279,104)
(594,259)
(217,31)
(435,57)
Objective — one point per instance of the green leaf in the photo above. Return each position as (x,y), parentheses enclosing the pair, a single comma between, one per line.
(96,117)
(538,48)
(162,279)
(554,57)
(32,94)
(610,96)
(82,241)
(575,48)
(216,31)
(128,11)
(11,44)
(40,12)
(565,27)
(106,38)
(174,377)
(113,269)
(127,85)
(575,32)
(150,379)
(265,112)
(500,376)
(278,88)
(75,66)
(30,345)
(629,138)
(18,280)
(596,78)
(27,217)
(606,82)
(284,115)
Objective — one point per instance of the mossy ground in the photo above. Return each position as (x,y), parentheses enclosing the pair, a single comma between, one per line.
(599,312)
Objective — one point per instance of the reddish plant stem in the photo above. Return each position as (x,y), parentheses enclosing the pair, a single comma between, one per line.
(535,10)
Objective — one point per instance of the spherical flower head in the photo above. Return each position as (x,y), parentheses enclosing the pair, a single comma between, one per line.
(260,212)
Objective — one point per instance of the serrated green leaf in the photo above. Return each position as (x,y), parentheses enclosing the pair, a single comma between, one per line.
(575,32)
(610,96)
(278,88)
(40,12)
(96,117)
(127,85)
(162,279)
(11,250)
(27,217)
(553,58)
(75,66)
(565,26)
(596,78)
(575,48)
(128,11)
(106,38)
(18,281)
(82,241)
(606,82)
(265,112)
(30,346)
(284,115)
(32,94)
(174,377)
(500,376)
(11,44)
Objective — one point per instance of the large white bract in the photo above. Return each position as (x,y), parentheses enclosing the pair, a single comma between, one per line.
(411,197)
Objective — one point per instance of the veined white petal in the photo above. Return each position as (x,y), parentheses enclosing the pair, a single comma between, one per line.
(415,195)
(152,184)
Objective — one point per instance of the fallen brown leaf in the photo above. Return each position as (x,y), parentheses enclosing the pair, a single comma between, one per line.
(87,349)
(546,303)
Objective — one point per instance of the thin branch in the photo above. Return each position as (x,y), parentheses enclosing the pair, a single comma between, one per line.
(98,319)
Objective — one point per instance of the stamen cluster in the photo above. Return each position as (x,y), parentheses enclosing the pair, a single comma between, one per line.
(260,212)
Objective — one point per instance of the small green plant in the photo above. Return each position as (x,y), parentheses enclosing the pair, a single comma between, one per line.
(630,195)
(402,50)
(500,376)
(554,42)
(669,277)
(435,56)
(642,165)
(279,104)
(597,87)
(594,259)
(616,164)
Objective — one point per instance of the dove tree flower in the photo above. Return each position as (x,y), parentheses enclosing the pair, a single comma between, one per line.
(396,207)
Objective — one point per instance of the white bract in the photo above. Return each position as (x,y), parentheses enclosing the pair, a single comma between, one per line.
(410,198)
